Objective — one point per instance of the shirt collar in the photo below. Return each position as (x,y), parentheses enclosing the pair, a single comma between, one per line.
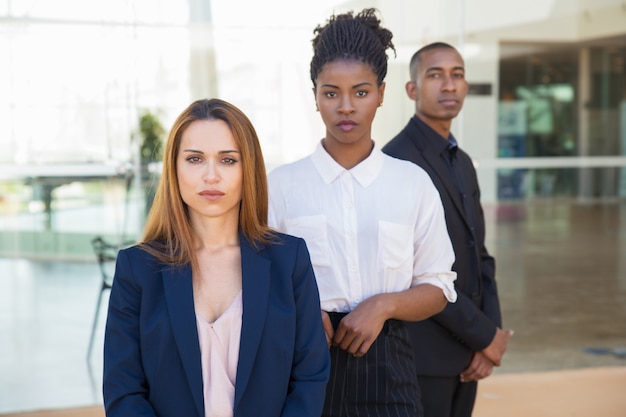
(452,143)
(365,172)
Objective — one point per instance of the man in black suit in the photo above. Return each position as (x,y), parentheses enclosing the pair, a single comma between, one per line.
(461,345)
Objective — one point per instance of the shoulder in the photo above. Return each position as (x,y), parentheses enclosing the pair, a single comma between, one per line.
(284,247)
(286,179)
(135,252)
(402,139)
(136,269)
(288,170)
(132,253)
(287,253)
(399,141)
(137,259)
(283,242)
(408,179)
(403,168)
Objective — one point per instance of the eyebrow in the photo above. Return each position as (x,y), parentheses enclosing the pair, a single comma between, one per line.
(441,68)
(353,87)
(220,152)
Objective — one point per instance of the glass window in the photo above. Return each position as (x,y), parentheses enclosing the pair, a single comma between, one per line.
(538,102)
(562,101)
(603,110)
(600,183)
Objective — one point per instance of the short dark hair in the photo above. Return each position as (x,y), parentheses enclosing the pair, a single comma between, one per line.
(356,37)
(417,56)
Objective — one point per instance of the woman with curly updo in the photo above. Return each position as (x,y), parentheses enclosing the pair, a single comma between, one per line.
(374,225)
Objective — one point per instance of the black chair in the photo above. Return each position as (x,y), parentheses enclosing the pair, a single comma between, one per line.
(106,254)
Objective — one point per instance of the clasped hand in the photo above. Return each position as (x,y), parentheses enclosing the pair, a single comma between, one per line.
(482,362)
(357,331)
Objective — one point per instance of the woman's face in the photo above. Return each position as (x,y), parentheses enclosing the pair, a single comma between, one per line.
(347,95)
(209,171)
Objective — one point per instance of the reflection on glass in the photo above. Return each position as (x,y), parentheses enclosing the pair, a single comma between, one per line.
(538,106)
(542,183)
(562,101)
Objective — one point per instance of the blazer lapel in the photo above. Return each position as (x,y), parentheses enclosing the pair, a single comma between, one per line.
(442,170)
(178,290)
(255,271)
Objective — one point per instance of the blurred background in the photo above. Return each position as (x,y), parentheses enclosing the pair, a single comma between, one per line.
(89,89)
(545,117)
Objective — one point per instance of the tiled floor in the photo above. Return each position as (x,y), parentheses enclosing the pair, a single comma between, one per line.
(561,273)
(46,314)
(562,280)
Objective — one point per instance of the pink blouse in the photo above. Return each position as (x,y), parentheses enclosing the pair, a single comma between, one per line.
(219,349)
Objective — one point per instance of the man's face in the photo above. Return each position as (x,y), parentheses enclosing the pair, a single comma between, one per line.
(439,86)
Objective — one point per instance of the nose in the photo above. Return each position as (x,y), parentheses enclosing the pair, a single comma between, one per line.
(211,173)
(346,106)
(448,83)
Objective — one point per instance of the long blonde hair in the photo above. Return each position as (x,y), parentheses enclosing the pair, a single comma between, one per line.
(168,234)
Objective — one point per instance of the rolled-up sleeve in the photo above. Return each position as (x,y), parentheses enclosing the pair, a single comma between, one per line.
(441,280)
(433,251)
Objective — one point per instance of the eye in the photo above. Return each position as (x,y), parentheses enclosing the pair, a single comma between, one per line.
(330,94)
(433,75)
(193,159)
(361,93)
(459,75)
(229,160)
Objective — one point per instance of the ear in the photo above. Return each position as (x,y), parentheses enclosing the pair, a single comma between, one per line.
(381,93)
(411,90)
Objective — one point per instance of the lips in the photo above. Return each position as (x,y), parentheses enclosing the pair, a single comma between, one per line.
(346,125)
(212,194)
(449,101)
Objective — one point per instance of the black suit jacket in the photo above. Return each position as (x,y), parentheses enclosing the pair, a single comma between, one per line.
(444,343)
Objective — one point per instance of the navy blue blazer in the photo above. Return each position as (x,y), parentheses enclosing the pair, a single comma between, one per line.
(444,344)
(152,364)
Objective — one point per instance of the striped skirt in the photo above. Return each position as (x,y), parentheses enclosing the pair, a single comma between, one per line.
(382,383)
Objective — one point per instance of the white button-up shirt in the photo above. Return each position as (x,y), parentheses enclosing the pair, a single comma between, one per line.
(376,228)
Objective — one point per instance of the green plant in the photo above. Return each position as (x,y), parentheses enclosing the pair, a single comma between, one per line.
(151,131)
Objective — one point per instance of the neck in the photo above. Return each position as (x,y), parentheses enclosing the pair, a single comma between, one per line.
(348,155)
(441,126)
(216,233)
